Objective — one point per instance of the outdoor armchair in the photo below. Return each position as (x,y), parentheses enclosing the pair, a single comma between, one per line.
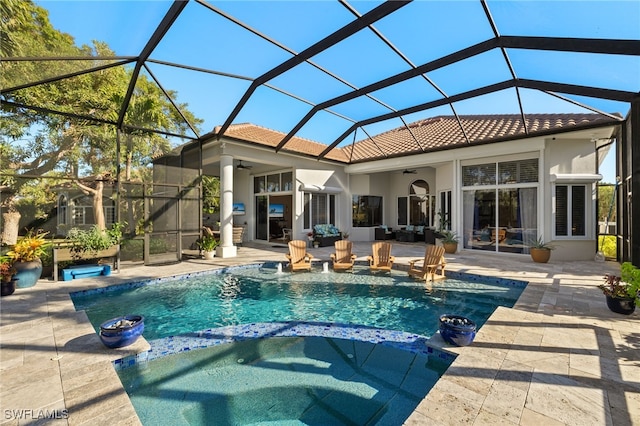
(299,259)
(433,261)
(381,259)
(343,258)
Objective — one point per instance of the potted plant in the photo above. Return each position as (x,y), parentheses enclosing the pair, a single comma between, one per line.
(208,244)
(121,331)
(457,330)
(449,241)
(7,271)
(26,254)
(540,251)
(622,293)
(87,244)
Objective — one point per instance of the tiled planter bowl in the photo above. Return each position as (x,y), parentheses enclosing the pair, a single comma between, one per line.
(457,330)
(121,331)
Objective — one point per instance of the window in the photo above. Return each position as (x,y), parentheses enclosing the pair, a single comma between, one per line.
(318,209)
(508,172)
(479,174)
(259,184)
(367,210)
(82,213)
(62,210)
(500,205)
(275,182)
(421,204)
(570,210)
(402,210)
(444,219)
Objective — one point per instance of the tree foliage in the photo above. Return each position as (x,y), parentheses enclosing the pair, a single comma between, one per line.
(606,203)
(84,141)
(210,194)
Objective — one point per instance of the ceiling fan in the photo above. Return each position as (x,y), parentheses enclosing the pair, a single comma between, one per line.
(409,172)
(242,166)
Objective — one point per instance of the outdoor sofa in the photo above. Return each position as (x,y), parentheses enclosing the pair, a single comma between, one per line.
(326,234)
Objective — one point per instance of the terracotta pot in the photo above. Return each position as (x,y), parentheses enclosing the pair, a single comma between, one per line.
(540,255)
(450,247)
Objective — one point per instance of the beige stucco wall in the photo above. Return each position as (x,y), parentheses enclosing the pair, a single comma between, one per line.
(570,157)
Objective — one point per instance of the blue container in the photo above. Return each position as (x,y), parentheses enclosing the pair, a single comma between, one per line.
(28,273)
(457,330)
(121,331)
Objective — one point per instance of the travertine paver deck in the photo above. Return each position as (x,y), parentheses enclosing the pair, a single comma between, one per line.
(558,357)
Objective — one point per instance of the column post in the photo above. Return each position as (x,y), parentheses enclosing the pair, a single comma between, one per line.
(226,247)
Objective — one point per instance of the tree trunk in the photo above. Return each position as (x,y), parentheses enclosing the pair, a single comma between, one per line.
(98,211)
(11,224)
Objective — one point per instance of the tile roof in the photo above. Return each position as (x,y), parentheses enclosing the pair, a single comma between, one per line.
(444,132)
(431,134)
(267,137)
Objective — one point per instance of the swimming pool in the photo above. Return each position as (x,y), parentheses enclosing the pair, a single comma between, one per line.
(260,295)
(303,348)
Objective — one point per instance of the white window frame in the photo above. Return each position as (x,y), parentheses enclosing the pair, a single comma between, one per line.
(308,215)
(588,181)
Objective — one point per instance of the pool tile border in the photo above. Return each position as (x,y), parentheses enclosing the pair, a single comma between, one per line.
(167,346)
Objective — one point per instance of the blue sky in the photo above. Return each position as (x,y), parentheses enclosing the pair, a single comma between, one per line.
(422,31)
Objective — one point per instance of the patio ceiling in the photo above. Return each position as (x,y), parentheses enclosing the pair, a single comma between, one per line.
(338,72)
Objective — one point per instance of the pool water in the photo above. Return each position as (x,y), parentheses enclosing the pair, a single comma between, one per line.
(322,374)
(284,381)
(251,295)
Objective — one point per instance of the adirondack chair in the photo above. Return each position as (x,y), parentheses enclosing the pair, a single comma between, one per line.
(299,259)
(433,261)
(238,235)
(381,260)
(343,259)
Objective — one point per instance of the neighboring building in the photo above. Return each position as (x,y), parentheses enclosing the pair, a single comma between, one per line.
(483,177)
(75,209)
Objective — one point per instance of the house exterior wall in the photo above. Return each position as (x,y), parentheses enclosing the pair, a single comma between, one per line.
(566,155)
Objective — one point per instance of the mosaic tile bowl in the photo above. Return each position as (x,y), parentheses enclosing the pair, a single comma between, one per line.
(457,330)
(121,331)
